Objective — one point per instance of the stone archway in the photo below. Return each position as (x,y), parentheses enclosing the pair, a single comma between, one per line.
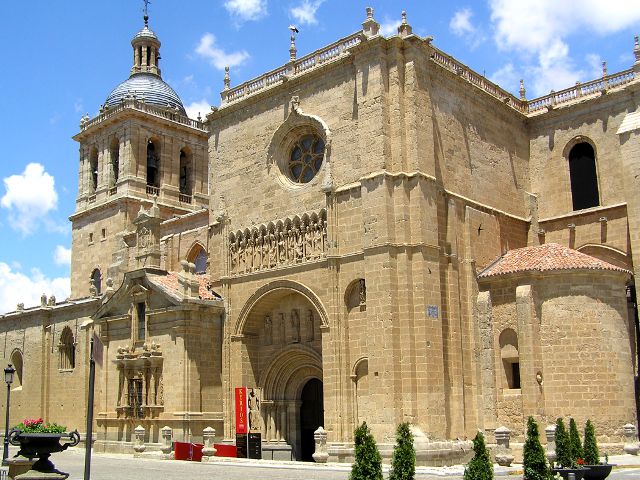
(279,335)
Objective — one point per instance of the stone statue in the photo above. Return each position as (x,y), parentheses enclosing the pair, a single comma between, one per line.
(310,326)
(295,326)
(282,325)
(233,256)
(268,330)
(282,247)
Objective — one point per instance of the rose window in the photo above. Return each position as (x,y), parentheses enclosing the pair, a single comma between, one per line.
(306,158)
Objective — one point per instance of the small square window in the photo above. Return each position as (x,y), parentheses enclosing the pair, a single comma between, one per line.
(91,238)
(104,233)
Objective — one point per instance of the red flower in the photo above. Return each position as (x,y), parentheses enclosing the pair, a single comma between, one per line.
(580,462)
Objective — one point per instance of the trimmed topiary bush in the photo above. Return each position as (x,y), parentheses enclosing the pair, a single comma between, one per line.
(535,462)
(480,467)
(403,462)
(574,442)
(368,463)
(563,447)
(591,454)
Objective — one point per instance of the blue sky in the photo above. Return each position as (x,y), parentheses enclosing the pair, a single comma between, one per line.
(62,58)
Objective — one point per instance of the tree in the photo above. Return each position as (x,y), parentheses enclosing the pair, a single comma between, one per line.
(480,467)
(403,462)
(563,447)
(574,441)
(535,462)
(591,454)
(368,463)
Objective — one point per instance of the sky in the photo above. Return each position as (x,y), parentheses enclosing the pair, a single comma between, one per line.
(60,60)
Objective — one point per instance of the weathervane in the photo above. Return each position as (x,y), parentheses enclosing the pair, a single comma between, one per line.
(146,11)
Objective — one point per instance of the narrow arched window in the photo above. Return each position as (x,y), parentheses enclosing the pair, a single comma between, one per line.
(510,358)
(185,172)
(115,161)
(584,177)
(67,350)
(153,164)
(16,361)
(96,280)
(198,256)
(93,166)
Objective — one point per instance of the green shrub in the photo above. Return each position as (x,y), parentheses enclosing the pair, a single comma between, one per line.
(591,454)
(368,463)
(563,446)
(480,467)
(574,441)
(535,462)
(403,463)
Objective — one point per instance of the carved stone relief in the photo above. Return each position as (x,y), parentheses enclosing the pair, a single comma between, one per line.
(288,242)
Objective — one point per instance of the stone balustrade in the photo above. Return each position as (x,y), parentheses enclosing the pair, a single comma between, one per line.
(298,67)
(140,106)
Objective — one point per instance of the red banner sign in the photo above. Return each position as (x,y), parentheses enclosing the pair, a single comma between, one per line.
(241,410)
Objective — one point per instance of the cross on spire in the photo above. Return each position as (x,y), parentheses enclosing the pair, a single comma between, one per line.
(146,11)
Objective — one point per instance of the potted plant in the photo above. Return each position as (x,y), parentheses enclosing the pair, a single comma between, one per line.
(38,439)
(566,463)
(597,470)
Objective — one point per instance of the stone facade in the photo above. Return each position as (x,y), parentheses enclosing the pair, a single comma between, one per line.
(327,235)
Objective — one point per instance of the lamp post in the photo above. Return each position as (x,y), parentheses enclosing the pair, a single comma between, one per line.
(8,378)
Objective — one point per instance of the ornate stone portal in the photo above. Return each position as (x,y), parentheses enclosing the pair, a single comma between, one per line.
(140,387)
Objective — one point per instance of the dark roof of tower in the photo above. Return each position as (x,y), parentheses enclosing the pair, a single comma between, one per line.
(147,87)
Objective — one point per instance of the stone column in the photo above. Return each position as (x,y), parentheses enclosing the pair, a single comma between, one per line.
(320,455)
(528,340)
(272,423)
(166,442)
(631,439)
(503,452)
(283,422)
(208,451)
(139,446)
(550,432)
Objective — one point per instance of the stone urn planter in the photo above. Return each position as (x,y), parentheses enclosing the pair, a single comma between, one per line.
(598,472)
(41,446)
(564,472)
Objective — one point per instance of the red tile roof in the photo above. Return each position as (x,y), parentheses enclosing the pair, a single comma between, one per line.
(170,282)
(544,258)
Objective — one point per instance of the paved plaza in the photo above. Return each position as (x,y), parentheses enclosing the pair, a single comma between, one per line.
(126,467)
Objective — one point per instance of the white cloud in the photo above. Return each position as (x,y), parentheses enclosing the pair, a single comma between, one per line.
(389,27)
(219,58)
(202,108)
(461,26)
(62,255)
(538,29)
(305,13)
(506,77)
(17,287)
(245,10)
(29,198)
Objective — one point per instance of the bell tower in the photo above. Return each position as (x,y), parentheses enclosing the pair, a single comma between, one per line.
(140,151)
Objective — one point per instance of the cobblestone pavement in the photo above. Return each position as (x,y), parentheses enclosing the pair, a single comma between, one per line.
(125,467)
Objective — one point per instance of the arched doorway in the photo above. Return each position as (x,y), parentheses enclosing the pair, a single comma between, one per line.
(280,348)
(311,417)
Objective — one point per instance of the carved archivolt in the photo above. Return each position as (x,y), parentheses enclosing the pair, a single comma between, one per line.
(289,242)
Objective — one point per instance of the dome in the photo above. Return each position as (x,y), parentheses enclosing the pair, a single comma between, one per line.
(148,87)
(145,33)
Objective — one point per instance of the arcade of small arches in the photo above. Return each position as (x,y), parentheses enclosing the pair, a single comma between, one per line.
(152,171)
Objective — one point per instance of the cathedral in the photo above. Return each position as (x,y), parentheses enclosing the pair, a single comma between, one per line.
(370,232)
